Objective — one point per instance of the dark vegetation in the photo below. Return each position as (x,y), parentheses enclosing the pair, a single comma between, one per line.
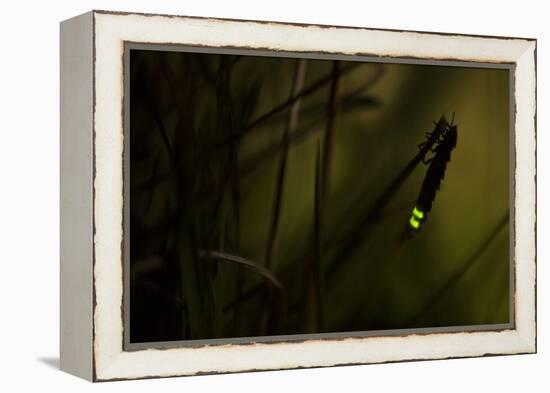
(269,196)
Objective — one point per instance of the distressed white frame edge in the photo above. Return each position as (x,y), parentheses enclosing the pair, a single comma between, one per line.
(76,193)
(111,30)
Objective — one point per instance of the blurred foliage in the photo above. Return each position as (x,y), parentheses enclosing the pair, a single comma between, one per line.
(255,186)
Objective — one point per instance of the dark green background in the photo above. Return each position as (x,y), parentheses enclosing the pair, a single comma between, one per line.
(353,270)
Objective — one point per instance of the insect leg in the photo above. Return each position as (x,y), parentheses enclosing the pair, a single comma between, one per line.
(427,161)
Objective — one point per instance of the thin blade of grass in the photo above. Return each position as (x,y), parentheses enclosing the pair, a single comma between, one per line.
(150,196)
(292,120)
(256,267)
(164,134)
(329,131)
(317,268)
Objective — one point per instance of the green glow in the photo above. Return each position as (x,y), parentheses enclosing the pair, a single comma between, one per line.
(414,222)
(417,213)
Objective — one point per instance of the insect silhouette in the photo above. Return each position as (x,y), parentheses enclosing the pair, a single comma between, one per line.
(443,140)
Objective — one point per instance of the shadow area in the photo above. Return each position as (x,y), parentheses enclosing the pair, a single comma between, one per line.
(52,362)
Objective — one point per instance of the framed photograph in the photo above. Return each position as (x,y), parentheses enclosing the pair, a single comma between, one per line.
(245,195)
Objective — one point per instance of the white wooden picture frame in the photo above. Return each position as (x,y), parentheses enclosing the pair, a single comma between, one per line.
(92,194)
